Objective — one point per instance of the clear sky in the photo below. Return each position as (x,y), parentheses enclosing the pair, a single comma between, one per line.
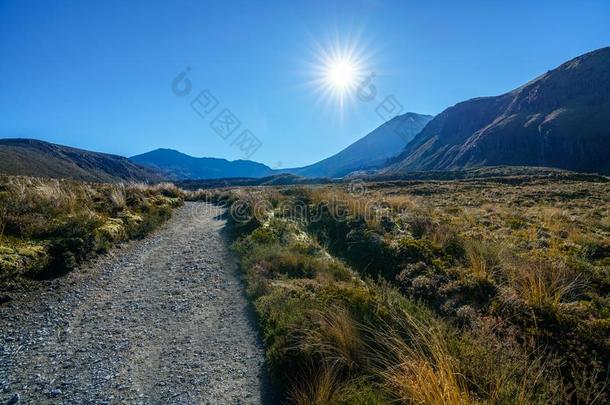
(98,75)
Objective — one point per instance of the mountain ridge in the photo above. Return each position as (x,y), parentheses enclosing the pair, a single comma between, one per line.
(32,157)
(559,119)
(369,152)
(181,166)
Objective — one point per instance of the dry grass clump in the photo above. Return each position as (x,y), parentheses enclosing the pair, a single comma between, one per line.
(483,259)
(402,203)
(543,284)
(335,337)
(166,189)
(414,363)
(320,385)
(334,346)
(117,197)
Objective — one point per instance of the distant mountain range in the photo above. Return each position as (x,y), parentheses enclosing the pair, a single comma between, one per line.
(177,165)
(561,119)
(29,157)
(370,152)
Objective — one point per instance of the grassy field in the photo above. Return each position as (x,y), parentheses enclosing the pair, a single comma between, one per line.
(472,291)
(491,291)
(48,227)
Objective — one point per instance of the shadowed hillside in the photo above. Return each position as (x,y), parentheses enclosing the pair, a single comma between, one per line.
(29,157)
(561,119)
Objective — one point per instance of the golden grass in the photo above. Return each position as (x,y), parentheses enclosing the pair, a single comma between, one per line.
(542,284)
(56,195)
(482,259)
(117,197)
(72,220)
(402,203)
(335,336)
(414,363)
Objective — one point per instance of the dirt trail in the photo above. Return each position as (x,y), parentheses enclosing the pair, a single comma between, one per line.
(163,320)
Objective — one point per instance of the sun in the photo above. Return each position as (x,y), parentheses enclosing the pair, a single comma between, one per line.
(336,70)
(337,73)
(341,74)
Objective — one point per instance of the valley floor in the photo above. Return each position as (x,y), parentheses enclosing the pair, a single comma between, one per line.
(164,320)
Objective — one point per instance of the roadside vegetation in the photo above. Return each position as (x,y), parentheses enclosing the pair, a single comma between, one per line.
(490,291)
(48,226)
(430,292)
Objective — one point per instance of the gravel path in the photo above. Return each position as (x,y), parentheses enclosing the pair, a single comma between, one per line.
(162,320)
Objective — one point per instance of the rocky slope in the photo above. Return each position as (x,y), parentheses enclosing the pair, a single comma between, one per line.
(561,119)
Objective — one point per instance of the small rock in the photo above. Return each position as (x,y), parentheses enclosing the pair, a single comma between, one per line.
(55,392)
(14,399)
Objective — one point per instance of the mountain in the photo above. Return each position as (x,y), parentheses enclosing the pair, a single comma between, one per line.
(560,119)
(181,166)
(30,157)
(370,152)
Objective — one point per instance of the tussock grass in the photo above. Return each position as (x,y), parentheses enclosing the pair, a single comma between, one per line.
(483,259)
(319,386)
(335,336)
(543,284)
(414,363)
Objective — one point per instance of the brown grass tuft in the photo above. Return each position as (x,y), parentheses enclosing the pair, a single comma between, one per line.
(320,386)
(335,336)
(414,363)
(543,284)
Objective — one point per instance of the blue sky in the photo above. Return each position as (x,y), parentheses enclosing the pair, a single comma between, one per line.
(98,75)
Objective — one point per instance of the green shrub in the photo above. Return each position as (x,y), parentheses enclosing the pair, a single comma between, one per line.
(264,236)
(21,259)
(413,250)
